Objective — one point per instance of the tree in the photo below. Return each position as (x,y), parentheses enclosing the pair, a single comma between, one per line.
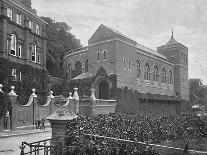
(59,41)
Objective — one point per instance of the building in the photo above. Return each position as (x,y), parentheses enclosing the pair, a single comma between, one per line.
(22,46)
(113,61)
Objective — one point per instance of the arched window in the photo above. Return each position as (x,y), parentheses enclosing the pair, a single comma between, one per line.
(104,53)
(138,69)
(69,71)
(86,66)
(34,52)
(129,64)
(164,76)
(156,74)
(98,56)
(170,77)
(147,72)
(124,61)
(13,44)
(78,68)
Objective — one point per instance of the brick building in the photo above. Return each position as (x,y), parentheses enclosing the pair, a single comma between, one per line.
(113,61)
(22,46)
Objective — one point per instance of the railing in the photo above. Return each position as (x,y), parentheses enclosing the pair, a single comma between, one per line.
(44,147)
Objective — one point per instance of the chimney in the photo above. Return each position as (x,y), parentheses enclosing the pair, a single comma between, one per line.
(27,3)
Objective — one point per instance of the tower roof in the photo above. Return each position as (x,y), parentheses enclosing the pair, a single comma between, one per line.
(172,41)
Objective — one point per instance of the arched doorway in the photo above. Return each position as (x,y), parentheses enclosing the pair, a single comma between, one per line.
(103,90)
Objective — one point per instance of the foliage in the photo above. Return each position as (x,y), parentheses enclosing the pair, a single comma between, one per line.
(59,41)
(31,78)
(198,91)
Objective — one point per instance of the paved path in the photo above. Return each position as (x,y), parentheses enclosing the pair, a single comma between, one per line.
(10,142)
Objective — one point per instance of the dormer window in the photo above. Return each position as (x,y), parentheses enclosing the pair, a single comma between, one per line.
(18,19)
(9,13)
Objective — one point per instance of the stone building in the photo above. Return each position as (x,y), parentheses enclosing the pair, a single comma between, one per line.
(113,61)
(22,46)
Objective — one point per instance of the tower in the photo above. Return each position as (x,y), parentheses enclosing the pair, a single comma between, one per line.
(177,53)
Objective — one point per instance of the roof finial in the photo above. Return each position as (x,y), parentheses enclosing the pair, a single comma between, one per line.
(172,34)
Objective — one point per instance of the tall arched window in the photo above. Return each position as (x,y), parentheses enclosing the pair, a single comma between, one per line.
(170,77)
(104,53)
(69,71)
(147,72)
(86,66)
(34,52)
(13,44)
(78,68)
(156,74)
(129,64)
(164,76)
(98,56)
(138,69)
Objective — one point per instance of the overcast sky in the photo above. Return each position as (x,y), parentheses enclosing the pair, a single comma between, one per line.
(149,22)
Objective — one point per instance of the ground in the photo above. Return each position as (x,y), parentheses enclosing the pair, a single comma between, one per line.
(10,145)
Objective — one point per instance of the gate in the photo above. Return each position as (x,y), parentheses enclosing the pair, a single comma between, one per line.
(43,147)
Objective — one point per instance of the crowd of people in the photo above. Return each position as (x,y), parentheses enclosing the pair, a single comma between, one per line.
(137,128)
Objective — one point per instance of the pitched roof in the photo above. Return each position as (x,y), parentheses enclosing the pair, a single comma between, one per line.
(150,51)
(82,76)
(172,41)
(105,31)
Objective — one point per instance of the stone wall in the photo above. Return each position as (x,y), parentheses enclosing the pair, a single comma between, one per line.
(132,102)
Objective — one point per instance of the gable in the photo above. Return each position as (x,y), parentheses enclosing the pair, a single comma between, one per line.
(101,33)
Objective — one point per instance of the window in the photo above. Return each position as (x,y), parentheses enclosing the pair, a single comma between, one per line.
(147,72)
(98,56)
(7,46)
(38,57)
(13,44)
(124,61)
(129,64)
(86,66)
(20,76)
(34,50)
(18,19)
(31,24)
(69,71)
(138,69)
(156,74)
(170,77)
(9,13)
(78,68)
(104,53)
(37,29)
(164,76)
(20,51)
(14,73)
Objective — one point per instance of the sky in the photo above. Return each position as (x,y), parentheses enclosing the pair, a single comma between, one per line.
(149,22)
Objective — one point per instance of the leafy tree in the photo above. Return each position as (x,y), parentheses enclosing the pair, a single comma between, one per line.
(59,41)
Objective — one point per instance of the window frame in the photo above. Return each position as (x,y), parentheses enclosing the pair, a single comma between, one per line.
(10,13)
(37,29)
(13,44)
(164,76)
(20,50)
(138,69)
(31,25)
(147,75)
(18,18)
(34,52)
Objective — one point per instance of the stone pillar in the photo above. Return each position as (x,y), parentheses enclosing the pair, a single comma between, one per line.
(93,102)
(13,98)
(76,99)
(58,121)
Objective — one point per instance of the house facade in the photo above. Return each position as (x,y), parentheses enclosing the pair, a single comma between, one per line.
(22,46)
(112,55)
